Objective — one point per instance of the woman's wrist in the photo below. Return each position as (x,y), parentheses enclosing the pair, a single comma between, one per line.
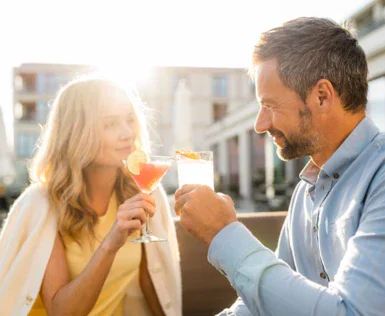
(108,249)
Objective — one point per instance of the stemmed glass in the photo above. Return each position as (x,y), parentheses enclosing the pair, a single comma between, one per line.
(151,173)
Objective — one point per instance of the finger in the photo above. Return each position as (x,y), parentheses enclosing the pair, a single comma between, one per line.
(148,207)
(134,214)
(141,196)
(132,225)
(186,188)
(180,202)
(226,198)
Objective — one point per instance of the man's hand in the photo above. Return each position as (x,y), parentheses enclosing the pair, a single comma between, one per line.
(203,213)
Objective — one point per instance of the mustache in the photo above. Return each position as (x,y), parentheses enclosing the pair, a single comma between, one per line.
(275,133)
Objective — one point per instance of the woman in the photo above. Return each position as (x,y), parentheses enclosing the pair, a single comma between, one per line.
(65,247)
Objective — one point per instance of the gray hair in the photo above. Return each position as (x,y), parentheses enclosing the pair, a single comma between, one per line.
(309,49)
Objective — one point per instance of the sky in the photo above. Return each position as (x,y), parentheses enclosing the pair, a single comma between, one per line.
(139,34)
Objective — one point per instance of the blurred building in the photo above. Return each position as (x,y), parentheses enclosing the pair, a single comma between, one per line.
(369,23)
(213,93)
(34,86)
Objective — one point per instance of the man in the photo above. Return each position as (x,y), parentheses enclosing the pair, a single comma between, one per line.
(311,83)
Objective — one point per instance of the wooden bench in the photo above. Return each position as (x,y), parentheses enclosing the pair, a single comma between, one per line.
(205,290)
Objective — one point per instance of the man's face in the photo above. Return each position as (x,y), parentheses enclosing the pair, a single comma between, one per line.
(283,115)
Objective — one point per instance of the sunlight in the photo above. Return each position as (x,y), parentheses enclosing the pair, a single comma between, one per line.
(126,74)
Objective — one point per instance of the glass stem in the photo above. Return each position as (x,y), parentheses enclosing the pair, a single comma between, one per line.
(147,232)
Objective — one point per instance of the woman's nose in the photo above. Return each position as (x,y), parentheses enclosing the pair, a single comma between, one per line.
(127,131)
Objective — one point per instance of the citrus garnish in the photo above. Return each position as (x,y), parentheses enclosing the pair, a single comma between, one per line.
(134,159)
(187,153)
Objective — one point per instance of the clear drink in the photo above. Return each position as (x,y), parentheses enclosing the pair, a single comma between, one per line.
(196,171)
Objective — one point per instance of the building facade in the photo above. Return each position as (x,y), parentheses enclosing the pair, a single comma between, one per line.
(34,87)
(214,92)
(369,23)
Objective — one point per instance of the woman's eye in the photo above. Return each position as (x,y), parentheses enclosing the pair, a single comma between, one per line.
(110,124)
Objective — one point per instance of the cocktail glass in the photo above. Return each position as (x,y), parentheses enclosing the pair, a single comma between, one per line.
(196,171)
(151,173)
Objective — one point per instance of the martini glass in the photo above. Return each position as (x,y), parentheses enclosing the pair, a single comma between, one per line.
(150,174)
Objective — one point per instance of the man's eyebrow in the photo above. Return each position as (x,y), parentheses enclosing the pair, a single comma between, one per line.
(267,101)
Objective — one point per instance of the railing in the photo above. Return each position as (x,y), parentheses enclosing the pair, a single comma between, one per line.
(205,290)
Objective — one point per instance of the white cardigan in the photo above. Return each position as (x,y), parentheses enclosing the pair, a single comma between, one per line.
(27,239)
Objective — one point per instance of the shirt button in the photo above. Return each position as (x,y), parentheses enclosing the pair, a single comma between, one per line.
(323,187)
(168,304)
(322,275)
(336,176)
(156,269)
(315,229)
(29,300)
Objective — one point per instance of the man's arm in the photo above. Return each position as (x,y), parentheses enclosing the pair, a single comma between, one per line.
(283,252)
(269,286)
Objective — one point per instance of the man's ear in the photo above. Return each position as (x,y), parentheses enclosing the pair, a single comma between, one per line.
(324,94)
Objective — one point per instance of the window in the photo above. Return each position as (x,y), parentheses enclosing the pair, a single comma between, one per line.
(42,110)
(26,144)
(178,80)
(220,86)
(219,111)
(49,82)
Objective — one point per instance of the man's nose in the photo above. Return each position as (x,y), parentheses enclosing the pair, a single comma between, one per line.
(263,121)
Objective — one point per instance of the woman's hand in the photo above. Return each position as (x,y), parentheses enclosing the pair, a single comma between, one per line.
(130,217)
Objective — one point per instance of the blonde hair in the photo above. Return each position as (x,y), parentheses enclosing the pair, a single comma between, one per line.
(71,141)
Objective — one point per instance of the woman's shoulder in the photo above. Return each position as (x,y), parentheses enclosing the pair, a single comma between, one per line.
(33,191)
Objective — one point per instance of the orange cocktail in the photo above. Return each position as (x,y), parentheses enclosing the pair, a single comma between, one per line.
(147,171)
(150,175)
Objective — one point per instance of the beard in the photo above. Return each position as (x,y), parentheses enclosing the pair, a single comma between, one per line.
(301,143)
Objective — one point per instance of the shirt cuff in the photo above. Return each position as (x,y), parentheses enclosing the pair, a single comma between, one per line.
(230,246)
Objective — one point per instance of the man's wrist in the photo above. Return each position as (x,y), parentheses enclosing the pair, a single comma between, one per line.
(214,233)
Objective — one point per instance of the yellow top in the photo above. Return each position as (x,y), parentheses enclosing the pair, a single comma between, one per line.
(123,276)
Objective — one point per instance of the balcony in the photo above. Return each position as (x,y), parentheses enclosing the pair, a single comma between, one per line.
(31,112)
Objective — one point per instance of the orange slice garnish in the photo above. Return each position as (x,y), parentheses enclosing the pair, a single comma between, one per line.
(187,153)
(134,160)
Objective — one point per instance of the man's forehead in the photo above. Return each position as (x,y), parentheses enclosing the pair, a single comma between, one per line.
(266,78)
(265,69)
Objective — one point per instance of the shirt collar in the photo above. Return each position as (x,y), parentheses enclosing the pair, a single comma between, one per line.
(349,150)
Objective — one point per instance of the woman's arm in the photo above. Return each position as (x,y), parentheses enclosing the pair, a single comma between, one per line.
(77,297)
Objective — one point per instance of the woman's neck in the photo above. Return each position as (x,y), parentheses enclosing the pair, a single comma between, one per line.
(100,182)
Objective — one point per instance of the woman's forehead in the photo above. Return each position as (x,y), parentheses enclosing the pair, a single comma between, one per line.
(117,107)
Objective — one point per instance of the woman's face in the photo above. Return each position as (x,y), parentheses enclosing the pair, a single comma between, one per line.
(120,128)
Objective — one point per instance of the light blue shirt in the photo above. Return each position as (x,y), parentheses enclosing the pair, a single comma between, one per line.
(330,258)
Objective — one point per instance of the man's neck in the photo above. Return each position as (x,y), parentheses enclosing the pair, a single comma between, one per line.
(334,134)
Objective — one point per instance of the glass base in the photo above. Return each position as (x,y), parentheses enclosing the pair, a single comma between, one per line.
(146,238)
